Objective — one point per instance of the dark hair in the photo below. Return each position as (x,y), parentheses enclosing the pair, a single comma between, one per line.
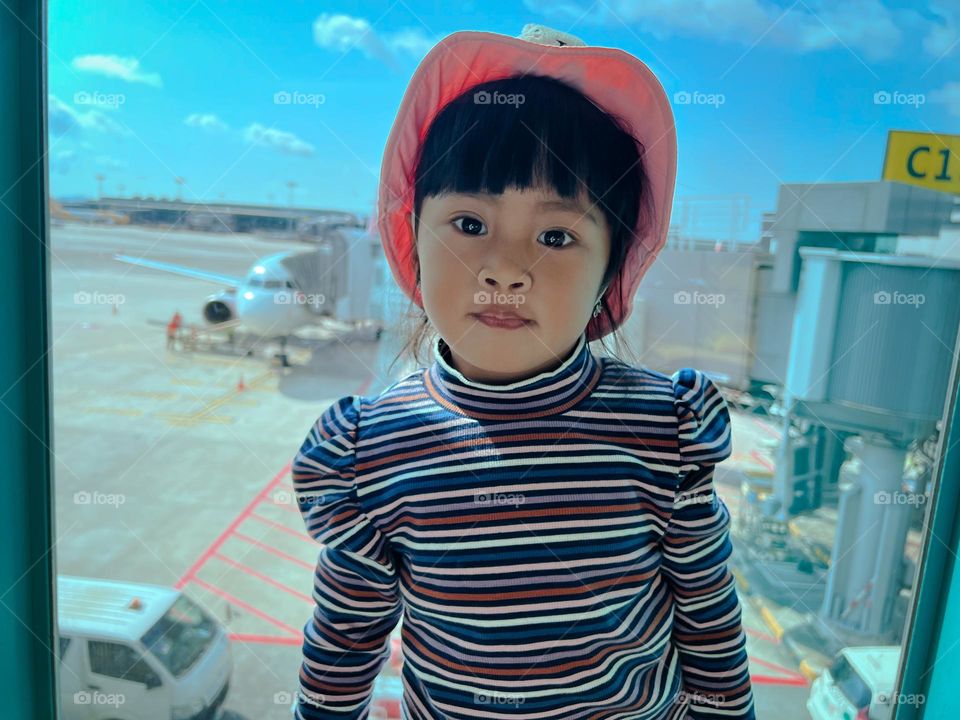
(555,138)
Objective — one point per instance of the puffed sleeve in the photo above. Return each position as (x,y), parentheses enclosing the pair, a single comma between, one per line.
(355,588)
(707,629)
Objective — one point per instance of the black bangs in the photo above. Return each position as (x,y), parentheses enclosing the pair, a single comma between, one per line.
(536,132)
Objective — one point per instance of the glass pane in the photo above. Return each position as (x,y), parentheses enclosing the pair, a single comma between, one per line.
(181,636)
(261,489)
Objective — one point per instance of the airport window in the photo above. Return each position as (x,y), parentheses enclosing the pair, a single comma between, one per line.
(822,308)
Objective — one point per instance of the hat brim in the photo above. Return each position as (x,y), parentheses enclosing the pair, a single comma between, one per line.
(614,80)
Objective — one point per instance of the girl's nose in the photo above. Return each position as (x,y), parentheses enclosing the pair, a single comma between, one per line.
(508,280)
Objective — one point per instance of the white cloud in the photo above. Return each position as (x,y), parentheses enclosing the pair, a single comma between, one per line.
(412,41)
(206,121)
(948,95)
(279,140)
(63,118)
(942,37)
(124,68)
(342,33)
(867,28)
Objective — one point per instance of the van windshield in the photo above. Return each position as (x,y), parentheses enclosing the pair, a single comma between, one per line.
(181,636)
(850,683)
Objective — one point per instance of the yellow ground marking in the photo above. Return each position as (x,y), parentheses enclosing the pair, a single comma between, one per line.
(741,580)
(205,413)
(775,627)
(108,410)
(808,671)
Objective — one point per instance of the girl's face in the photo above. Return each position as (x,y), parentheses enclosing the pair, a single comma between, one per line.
(529,252)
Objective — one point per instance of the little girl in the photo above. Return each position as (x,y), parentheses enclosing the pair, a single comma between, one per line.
(543,519)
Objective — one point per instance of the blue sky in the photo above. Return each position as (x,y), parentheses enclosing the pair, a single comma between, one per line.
(145,92)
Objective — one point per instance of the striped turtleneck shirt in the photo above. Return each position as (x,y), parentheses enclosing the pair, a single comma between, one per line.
(554,546)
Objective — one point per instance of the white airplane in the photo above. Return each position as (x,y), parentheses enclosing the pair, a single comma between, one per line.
(288,290)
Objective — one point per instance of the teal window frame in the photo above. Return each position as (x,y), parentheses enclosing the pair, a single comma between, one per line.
(27,562)
(28,683)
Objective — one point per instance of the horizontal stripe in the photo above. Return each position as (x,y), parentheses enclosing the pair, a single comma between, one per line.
(554,547)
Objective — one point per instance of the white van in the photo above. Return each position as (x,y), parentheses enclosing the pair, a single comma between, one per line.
(859,685)
(130,651)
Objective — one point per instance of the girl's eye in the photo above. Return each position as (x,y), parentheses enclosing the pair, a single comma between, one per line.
(555,237)
(471,226)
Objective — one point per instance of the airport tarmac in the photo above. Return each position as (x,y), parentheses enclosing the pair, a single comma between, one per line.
(173,468)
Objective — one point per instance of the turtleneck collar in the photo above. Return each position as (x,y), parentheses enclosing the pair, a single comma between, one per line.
(548,393)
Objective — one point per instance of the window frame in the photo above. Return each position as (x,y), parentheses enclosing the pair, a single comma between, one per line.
(30,685)
(27,561)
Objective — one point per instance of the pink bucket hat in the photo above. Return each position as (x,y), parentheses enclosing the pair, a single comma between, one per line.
(612,79)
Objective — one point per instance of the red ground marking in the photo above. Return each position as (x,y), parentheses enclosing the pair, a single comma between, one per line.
(214,551)
(245,606)
(799,681)
(282,528)
(761,636)
(260,576)
(755,454)
(774,666)
(222,538)
(767,428)
(295,636)
(270,549)
(267,639)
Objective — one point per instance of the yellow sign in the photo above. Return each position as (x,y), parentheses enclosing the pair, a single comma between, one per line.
(930,160)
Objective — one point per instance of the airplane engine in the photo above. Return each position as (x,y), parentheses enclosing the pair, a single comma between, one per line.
(220,308)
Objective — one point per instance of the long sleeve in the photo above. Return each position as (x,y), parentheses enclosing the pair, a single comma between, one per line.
(707,630)
(356,589)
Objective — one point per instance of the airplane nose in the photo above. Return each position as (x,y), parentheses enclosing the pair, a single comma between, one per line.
(267,313)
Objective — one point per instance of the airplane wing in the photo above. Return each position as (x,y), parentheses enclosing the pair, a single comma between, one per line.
(196,273)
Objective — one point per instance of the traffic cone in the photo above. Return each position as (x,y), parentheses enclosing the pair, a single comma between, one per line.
(240,386)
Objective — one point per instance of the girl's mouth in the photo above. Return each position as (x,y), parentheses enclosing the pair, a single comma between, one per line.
(505,323)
